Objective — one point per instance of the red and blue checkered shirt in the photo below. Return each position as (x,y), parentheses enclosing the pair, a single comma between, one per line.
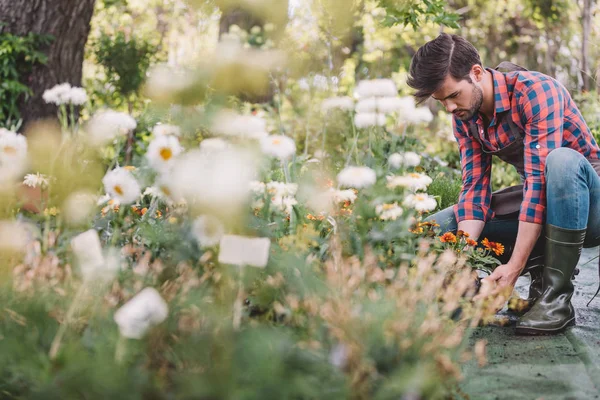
(544,110)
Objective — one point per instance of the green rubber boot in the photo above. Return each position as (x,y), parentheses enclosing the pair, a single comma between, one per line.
(553,311)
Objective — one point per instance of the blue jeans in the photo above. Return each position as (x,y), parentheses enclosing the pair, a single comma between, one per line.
(572,202)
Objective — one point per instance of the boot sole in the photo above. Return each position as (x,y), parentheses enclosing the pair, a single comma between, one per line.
(542,332)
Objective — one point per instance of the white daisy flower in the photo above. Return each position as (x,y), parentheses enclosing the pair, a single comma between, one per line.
(208,230)
(366,120)
(279,146)
(257,188)
(36,180)
(143,311)
(244,251)
(214,144)
(388,211)
(164,82)
(105,126)
(162,151)
(341,196)
(79,207)
(122,186)
(14,235)
(357,177)
(13,147)
(421,202)
(13,155)
(345,103)
(282,189)
(230,123)
(284,203)
(215,181)
(413,181)
(166,130)
(408,159)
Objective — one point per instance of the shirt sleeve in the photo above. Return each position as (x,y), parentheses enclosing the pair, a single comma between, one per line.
(475,197)
(541,109)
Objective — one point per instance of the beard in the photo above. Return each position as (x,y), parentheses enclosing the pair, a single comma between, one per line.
(476,102)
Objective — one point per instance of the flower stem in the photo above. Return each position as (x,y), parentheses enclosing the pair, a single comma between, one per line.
(63,327)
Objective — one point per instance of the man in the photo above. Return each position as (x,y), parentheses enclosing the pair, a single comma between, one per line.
(529,120)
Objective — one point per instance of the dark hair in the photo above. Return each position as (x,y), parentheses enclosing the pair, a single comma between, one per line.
(446,54)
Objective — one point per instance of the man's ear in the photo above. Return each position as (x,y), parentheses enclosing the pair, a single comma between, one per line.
(477,73)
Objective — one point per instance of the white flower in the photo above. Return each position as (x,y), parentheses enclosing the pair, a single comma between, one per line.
(230,123)
(164,82)
(76,96)
(121,185)
(208,230)
(106,125)
(88,253)
(218,183)
(413,181)
(420,201)
(14,236)
(162,151)
(35,180)
(343,103)
(143,311)
(365,120)
(214,144)
(79,207)
(376,88)
(408,159)
(357,177)
(341,196)
(388,211)
(420,115)
(242,251)
(13,155)
(166,129)
(65,94)
(278,146)
(57,94)
(389,105)
(282,189)
(257,188)
(13,147)
(284,203)
(367,105)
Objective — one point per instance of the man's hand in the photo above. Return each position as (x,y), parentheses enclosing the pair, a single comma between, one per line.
(502,280)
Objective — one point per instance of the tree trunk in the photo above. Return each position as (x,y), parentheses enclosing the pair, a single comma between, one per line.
(68,21)
(585,45)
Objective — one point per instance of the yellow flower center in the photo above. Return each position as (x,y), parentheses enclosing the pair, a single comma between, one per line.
(276,141)
(165,190)
(119,190)
(129,168)
(414,175)
(166,153)
(10,150)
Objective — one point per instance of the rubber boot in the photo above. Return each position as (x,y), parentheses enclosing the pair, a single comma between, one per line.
(553,311)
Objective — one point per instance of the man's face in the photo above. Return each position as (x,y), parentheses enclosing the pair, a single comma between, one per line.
(461,98)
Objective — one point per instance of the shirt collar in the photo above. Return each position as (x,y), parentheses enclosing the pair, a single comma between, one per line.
(501,95)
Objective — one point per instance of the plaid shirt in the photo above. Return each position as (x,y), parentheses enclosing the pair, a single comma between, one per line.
(544,110)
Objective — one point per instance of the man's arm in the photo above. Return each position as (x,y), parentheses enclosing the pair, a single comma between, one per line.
(473,227)
(473,207)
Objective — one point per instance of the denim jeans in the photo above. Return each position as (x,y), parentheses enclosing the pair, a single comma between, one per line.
(572,202)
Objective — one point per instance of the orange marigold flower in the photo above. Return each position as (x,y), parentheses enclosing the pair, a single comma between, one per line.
(471,242)
(497,248)
(461,233)
(416,231)
(448,237)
